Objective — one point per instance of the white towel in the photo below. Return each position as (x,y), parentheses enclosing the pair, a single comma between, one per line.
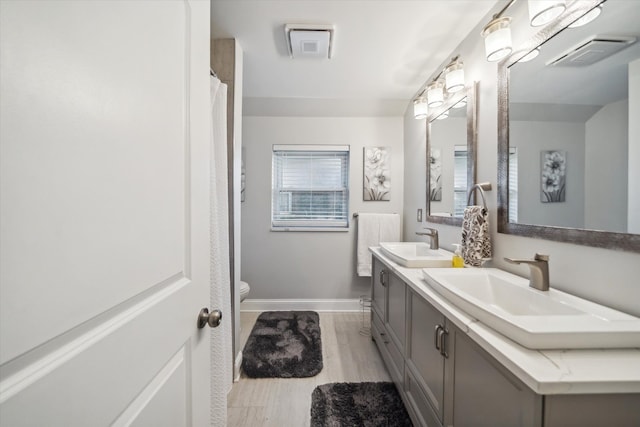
(373,229)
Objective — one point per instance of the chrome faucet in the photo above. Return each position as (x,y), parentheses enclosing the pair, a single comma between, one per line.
(433,234)
(539,266)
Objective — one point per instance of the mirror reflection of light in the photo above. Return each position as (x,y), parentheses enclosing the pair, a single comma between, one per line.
(461,103)
(443,115)
(541,12)
(587,17)
(530,56)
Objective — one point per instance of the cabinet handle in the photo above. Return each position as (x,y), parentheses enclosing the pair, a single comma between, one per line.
(382,334)
(382,281)
(443,343)
(436,337)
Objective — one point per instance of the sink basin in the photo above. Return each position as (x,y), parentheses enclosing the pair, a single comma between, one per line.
(416,254)
(532,318)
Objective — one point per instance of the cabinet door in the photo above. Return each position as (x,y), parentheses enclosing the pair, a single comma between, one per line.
(423,358)
(378,288)
(396,310)
(482,392)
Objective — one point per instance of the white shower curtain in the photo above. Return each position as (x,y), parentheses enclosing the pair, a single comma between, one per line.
(221,341)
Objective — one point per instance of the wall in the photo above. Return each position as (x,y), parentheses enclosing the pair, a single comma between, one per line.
(605,206)
(310,265)
(605,276)
(634,147)
(534,137)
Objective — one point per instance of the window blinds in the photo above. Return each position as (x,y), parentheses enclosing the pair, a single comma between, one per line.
(513,184)
(310,186)
(459,180)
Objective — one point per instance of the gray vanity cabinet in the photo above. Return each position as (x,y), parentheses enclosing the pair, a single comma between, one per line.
(388,319)
(443,376)
(450,380)
(378,291)
(424,363)
(481,392)
(446,379)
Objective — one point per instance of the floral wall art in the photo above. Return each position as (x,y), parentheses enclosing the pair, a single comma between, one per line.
(553,176)
(435,175)
(377,182)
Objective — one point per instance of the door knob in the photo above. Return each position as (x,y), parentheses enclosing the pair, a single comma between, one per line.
(212,319)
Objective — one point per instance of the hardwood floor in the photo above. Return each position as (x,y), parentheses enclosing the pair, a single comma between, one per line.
(286,402)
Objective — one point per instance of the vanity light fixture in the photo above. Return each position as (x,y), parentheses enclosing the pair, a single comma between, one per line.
(587,17)
(454,75)
(420,109)
(497,37)
(541,12)
(435,93)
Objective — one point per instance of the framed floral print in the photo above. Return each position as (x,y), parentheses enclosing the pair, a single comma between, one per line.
(377,179)
(435,175)
(553,176)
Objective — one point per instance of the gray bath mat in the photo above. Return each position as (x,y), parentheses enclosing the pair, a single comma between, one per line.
(284,344)
(358,404)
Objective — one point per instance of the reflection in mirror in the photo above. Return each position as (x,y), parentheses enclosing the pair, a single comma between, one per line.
(569,146)
(451,159)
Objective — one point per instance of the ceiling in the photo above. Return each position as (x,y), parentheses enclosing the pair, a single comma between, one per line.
(384,52)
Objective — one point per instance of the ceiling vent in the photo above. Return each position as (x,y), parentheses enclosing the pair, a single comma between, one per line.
(309,40)
(591,51)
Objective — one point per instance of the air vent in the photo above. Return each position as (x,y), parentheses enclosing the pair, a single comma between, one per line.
(591,51)
(309,41)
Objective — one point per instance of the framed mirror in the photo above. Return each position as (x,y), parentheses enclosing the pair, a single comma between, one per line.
(451,157)
(569,134)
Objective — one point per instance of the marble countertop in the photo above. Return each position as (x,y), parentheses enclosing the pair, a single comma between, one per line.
(544,371)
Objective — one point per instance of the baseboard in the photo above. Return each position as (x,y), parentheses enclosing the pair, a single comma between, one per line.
(236,367)
(302,304)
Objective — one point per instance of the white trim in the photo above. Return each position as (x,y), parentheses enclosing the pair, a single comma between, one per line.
(301,304)
(294,228)
(300,147)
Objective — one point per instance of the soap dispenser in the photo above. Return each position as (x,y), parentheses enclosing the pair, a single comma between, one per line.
(457,261)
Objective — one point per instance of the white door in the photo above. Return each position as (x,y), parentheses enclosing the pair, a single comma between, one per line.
(104,213)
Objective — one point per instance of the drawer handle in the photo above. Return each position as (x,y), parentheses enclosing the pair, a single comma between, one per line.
(436,337)
(382,334)
(382,281)
(443,343)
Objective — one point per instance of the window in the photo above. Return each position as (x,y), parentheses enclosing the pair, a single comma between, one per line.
(310,187)
(459,180)
(513,184)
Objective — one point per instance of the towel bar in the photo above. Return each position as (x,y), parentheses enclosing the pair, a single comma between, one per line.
(482,186)
(355,214)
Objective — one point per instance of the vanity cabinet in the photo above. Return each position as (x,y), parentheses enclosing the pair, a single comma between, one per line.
(425,363)
(388,318)
(451,381)
(447,379)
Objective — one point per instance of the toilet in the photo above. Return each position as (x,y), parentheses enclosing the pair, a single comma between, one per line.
(244,290)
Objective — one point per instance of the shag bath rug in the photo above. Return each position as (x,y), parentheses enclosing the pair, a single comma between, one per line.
(284,344)
(370,404)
